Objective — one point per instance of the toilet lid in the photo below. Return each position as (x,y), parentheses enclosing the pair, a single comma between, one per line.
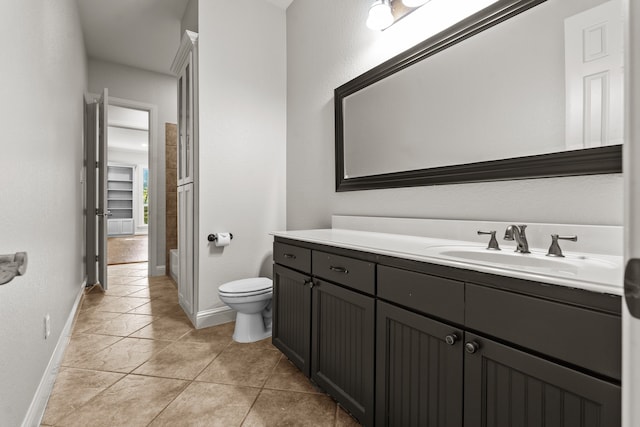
(244,286)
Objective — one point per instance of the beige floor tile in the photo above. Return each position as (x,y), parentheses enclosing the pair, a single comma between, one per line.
(288,408)
(205,404)
(122,304)
(182,360)
(95,298)
(74,388)
(133,401)
(343,419)
(220,333)
(287,377)
(123,325)
(82,346)
(158,307)
(122,280)
(241,365)
(122,290)
(90,319)
(168,328)
(123,356)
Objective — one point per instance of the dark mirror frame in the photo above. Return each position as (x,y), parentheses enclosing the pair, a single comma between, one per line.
(589,161)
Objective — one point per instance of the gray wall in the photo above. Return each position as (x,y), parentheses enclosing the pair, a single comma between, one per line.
(242,150)
(328,44)
(148,87)
(190,17)
(41,197)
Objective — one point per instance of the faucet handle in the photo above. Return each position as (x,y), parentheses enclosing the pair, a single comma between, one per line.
(493,243)
(554,249)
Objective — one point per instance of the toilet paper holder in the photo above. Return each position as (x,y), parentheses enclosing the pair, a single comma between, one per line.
(213,237)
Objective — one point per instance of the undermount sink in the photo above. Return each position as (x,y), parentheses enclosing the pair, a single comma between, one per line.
(533,260)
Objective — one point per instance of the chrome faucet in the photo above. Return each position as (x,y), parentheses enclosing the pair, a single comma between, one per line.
(517,232)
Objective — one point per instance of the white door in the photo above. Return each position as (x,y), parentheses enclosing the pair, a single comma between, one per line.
(594,77)
(102,212)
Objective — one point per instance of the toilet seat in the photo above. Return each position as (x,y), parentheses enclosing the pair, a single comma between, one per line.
(246,287)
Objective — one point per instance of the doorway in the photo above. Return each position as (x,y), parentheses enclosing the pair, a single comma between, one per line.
(127,185)
(128,122)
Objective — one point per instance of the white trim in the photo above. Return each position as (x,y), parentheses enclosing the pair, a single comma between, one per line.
(154,165)
(214,316)
(43,392)
(189,40)
(158,270)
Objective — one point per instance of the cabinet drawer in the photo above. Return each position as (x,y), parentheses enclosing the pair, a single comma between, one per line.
(350,272)
(292,256)
(585,338)
(443,298)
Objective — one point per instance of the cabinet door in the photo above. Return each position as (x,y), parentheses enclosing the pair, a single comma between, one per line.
(292,316)
(114,227)
(185,122)
(508,387)
(127,226)
(342,347)
(185,247)
(419,372)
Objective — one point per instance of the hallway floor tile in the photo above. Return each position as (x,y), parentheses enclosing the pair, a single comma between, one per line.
(134,359)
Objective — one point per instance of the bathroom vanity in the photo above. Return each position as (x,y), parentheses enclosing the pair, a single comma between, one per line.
(401,332)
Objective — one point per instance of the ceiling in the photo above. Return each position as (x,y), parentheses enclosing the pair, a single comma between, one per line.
(139,33)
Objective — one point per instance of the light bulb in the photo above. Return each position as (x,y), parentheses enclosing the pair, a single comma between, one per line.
(414,3)
(380,16)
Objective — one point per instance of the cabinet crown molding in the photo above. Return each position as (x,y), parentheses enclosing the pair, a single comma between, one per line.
(188,42)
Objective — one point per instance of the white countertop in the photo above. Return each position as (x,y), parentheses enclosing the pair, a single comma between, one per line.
(588,271)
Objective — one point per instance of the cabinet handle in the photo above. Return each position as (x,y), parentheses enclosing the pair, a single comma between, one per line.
(289,256)
(339,269)
(471,347)
(451,339)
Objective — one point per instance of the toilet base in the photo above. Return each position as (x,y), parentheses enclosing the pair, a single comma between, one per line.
(250,328)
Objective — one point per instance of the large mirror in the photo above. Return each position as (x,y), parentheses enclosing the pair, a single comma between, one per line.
(522,89)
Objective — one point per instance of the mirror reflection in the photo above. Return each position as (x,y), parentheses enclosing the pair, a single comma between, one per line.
(547,80)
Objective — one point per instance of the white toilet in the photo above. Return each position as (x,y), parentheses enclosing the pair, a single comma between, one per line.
(251,298)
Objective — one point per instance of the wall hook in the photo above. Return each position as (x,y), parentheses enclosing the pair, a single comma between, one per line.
(12,266)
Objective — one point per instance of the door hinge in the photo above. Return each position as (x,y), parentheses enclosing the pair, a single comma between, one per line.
(97,165)
(97,258)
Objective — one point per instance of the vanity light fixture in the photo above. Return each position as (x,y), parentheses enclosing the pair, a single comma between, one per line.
(414,3)
(380,16)
(385,13)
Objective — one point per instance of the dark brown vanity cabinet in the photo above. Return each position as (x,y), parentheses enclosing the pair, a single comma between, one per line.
(419,370)
(504,386)
(406,343)
(324,322)
(291,321)
(342,347)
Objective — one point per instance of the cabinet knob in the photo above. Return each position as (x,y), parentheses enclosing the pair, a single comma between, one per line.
(471,347)
(451,339)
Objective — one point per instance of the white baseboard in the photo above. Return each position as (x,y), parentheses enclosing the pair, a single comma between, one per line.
(215,316)
(40,399)
(159,270)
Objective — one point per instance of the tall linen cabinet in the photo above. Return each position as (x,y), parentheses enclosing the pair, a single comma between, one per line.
(185,67)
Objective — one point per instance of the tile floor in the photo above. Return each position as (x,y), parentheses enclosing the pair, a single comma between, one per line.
(135,360)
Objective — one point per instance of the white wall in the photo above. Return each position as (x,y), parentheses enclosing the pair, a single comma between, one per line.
(151,88)
(242,138)
(328,44)
(190,18)
(41,196)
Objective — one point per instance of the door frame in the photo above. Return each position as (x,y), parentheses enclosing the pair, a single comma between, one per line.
(154,164)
